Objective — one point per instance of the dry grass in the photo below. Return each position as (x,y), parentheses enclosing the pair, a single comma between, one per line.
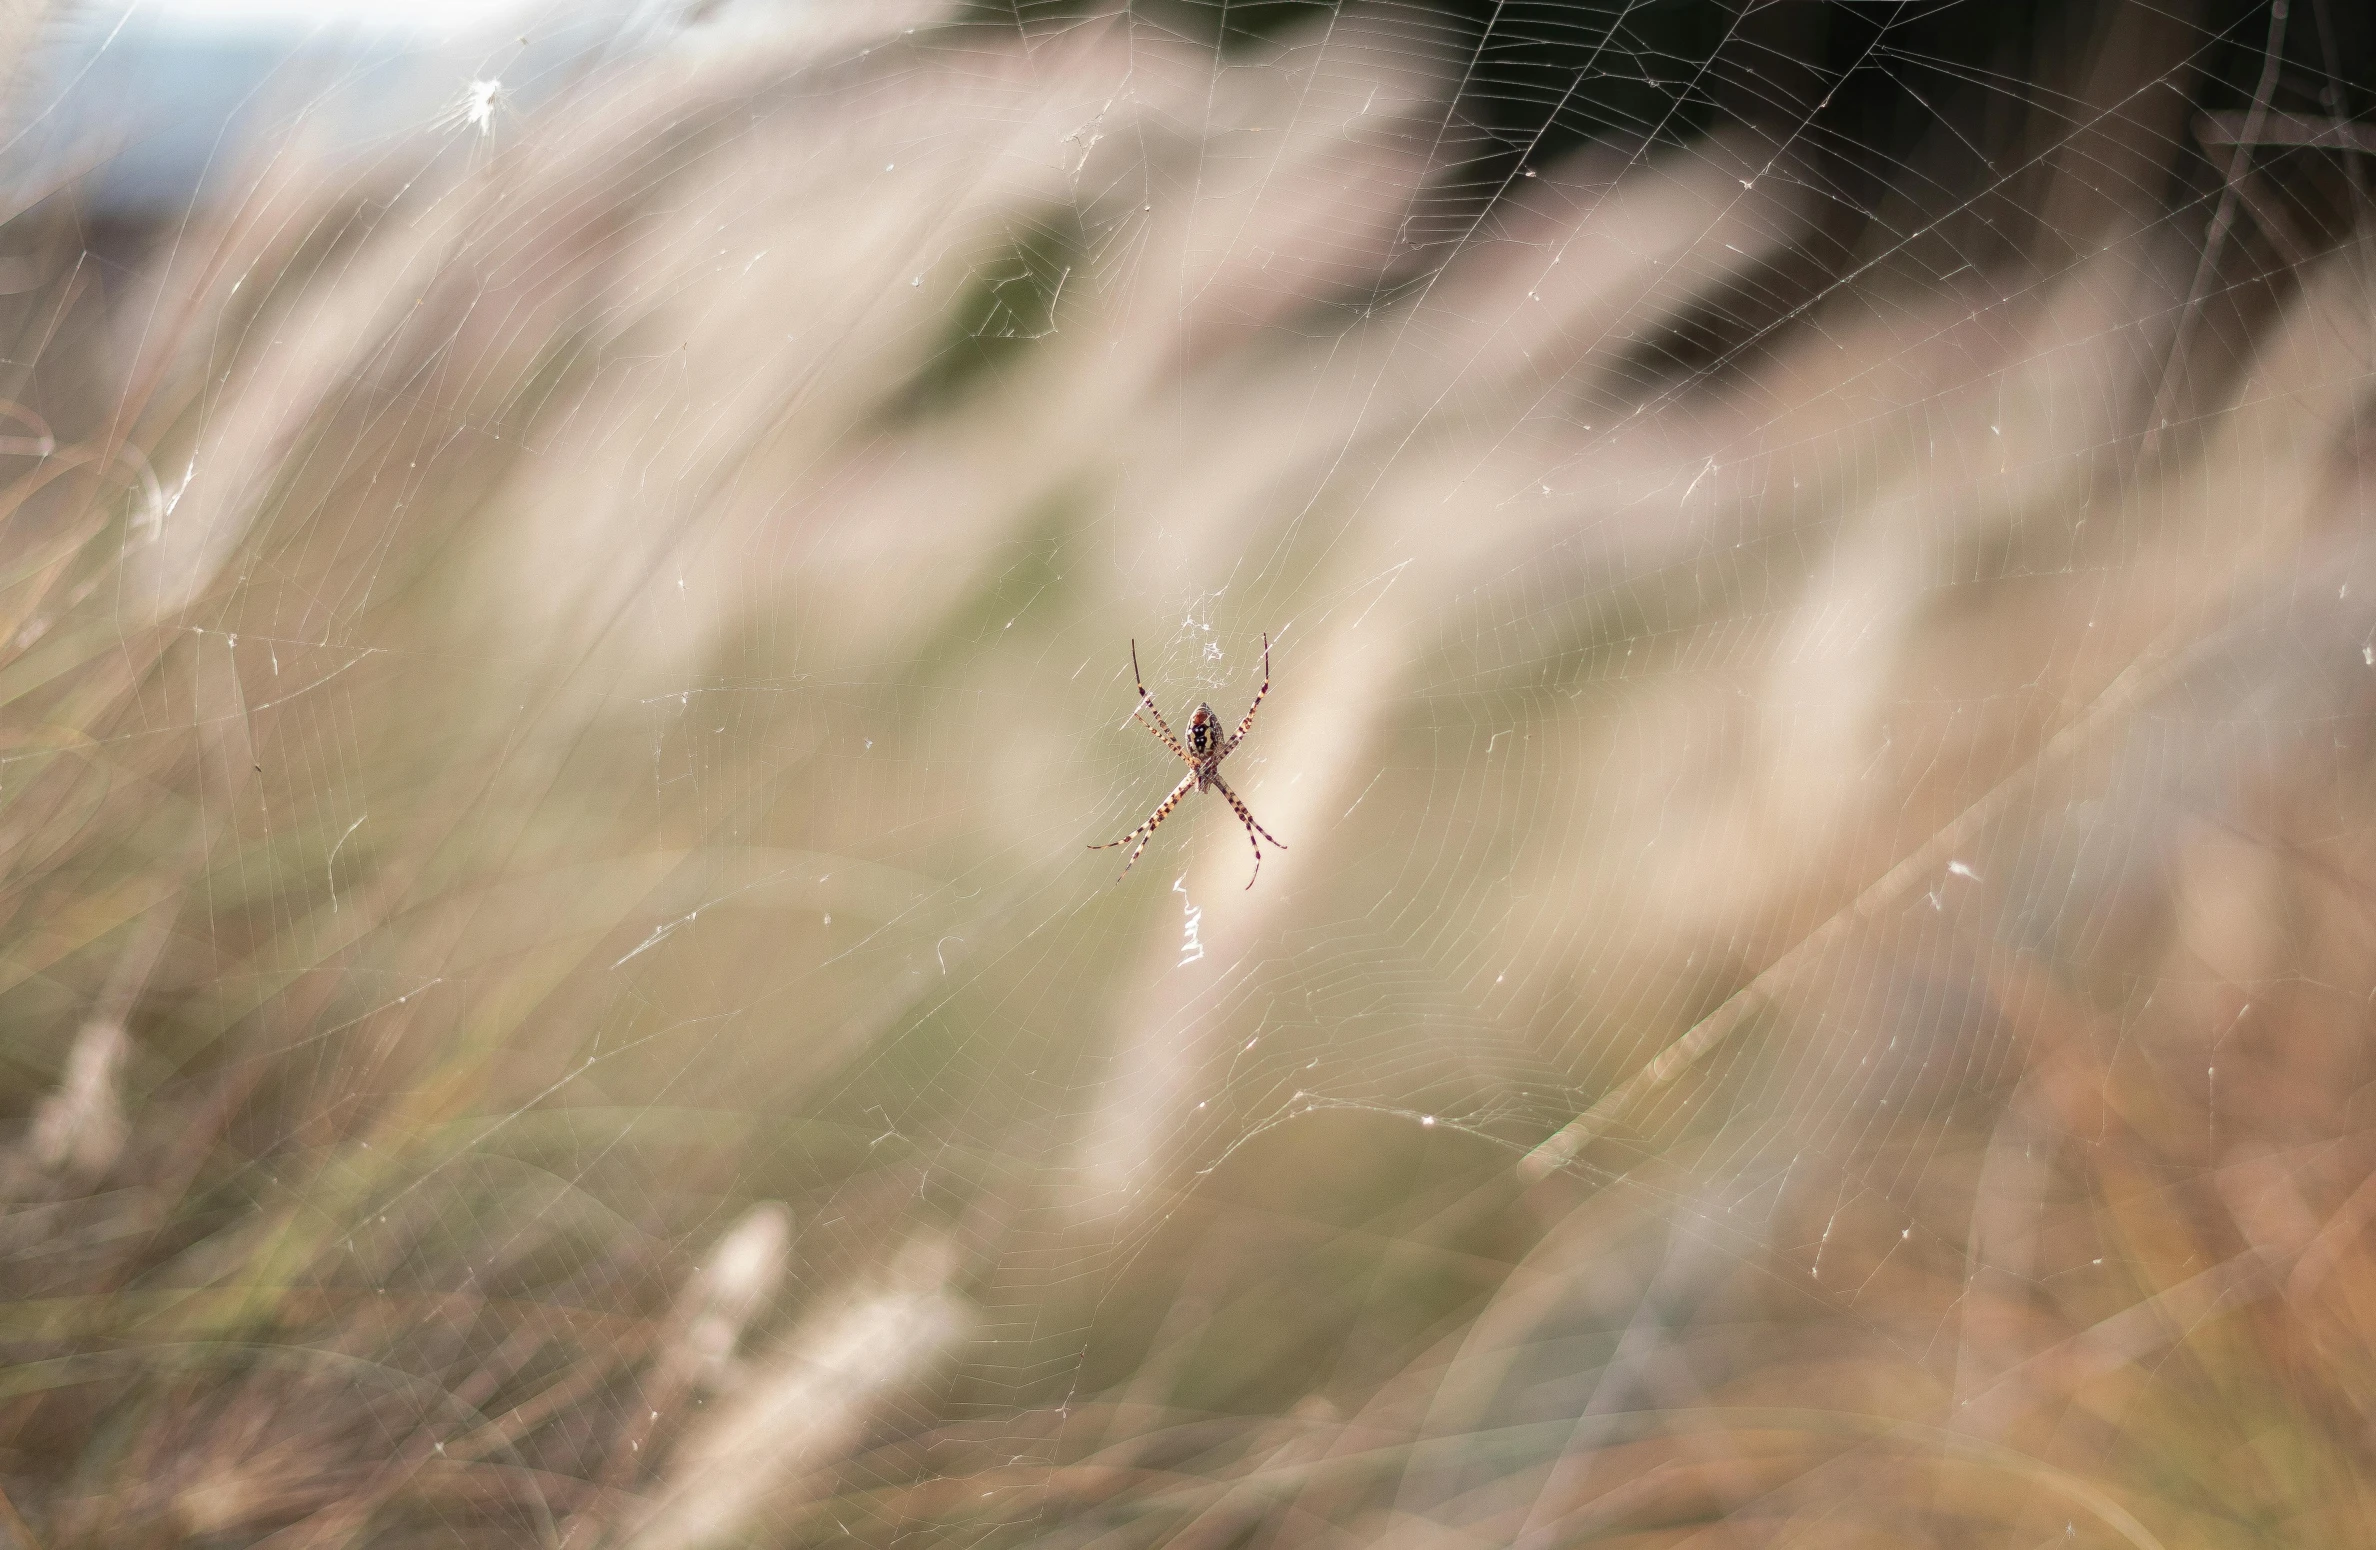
(553,698)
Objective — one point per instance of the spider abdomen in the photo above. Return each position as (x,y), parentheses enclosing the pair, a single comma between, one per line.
(1204,735)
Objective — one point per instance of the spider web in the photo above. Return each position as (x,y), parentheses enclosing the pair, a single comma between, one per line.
(1820,621)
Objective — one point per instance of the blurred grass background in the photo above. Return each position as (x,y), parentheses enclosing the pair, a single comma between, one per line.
(559,672)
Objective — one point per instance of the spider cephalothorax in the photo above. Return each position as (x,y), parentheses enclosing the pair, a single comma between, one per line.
(1207,746)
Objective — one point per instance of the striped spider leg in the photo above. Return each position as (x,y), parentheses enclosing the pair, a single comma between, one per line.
(1246,725)
(1207,745)
(1161,728)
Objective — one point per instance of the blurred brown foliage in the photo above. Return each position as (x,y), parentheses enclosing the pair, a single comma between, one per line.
(555,687)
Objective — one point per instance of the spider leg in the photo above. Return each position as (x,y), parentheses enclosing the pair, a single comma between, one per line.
(1252,828)
(1247,725)
(1146,831)
(1165,736)
(1161,728)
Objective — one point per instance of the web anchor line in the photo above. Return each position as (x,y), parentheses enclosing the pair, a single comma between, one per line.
(2152,671)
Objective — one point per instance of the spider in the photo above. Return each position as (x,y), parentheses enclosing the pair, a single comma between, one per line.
(1205,750)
